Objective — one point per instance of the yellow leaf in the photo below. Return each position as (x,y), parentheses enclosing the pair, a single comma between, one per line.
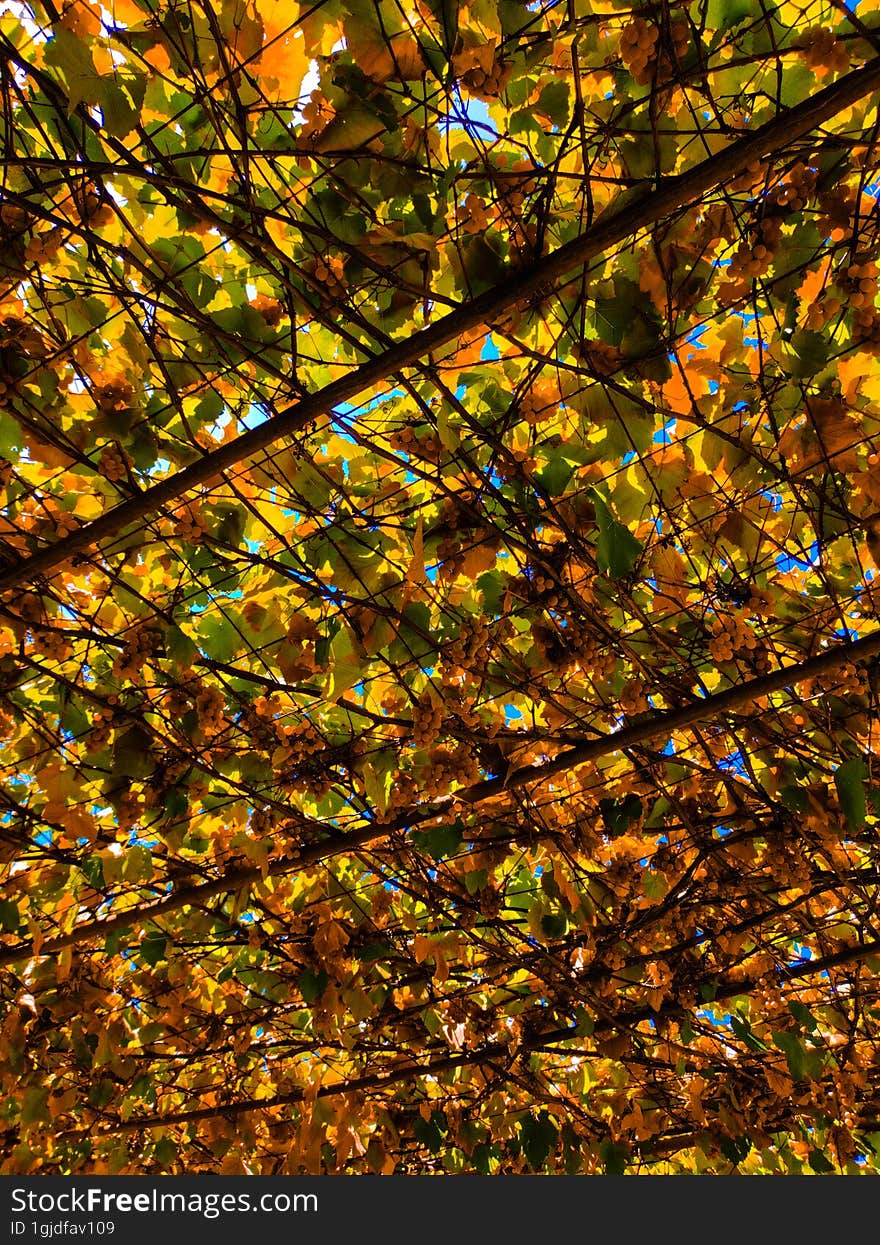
(284,60)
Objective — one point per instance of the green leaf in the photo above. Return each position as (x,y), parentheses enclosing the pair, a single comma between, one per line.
(481,264)
(737,1149)
(439,841)
(796,84)
(68,53)
(73,717)
(114,942)
(93,870)
(554,924)
(803,1015)
(132,753)
(374,951)
(617,550)
(538,1136)
(138,864)
(653,884)
(10,918)
(586,1025)
(475,880)
(794,797)
(211,407)
(152,948)
(491,586)
(615,1158)
(345,662)
(819,1163)
(312,985)
(144,448)
(432,1021)
(849,779)
(644,158)
(555,476)
(725,14)
(11,436)
(619,815)
(553,102)
(624,315)
(658,812)
(431,1132)
(34,1106)
(793,1049)
(218,637)
(101,1092)
(120,114)
(377,769)
(806,354)
(743,1030)
(411,642)
(230,523)
(179,646)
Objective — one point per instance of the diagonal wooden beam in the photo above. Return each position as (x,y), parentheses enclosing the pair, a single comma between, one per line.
(656,725)
(673,194)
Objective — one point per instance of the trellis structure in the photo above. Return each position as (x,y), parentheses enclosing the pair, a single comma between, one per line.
(438,602)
